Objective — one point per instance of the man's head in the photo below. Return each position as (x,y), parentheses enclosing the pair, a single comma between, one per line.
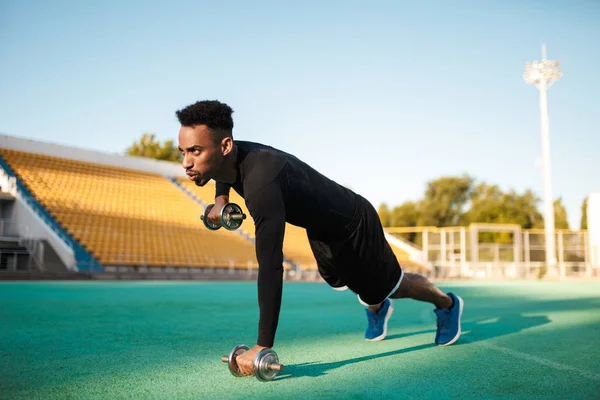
(205,139)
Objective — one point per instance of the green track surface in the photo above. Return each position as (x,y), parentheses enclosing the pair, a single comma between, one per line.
(163,340)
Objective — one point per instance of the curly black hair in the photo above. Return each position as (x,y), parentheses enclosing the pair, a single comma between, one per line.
(212,113)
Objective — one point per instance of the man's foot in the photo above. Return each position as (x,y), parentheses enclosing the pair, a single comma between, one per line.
(377,329)
(448,322)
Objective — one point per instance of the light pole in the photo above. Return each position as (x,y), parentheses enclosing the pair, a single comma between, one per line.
(543,74)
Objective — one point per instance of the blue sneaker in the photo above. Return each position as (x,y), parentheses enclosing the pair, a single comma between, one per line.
(377,329)
(448,322)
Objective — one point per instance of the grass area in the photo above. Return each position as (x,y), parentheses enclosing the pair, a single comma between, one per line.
(157,340)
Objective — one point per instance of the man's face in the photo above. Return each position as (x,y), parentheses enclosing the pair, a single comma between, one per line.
(202,157)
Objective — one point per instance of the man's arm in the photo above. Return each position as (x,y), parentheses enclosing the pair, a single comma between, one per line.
(222,190)
(221,198)
(268,211)
(221,194)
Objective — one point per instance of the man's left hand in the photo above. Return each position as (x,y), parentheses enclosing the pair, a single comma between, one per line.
(245,361)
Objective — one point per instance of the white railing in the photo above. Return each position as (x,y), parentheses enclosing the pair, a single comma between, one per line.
(33,224)
(468,252)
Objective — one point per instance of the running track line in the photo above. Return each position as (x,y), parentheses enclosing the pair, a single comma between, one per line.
(536,359)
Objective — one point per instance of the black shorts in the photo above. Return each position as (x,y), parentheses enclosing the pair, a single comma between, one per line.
(363,261)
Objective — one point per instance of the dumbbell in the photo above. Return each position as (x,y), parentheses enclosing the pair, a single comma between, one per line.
(266,363)
(231,216)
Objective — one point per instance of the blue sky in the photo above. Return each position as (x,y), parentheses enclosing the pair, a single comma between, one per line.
(381,96)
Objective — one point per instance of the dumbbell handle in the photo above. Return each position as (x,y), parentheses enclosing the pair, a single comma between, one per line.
(273,366)
(232,216)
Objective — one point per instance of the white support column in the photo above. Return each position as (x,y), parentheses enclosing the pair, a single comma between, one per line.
(451,246)
(593,224)
(548,200)
(561,255)
(426,246)
(543,74)
(517,251)
(474,245)
(527,254)
(444,256)
(588,261)
(463,252)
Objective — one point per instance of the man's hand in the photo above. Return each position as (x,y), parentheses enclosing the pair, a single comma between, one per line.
(215,214)
(245,361)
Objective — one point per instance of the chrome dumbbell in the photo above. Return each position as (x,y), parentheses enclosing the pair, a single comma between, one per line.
(266,363)
(231,217)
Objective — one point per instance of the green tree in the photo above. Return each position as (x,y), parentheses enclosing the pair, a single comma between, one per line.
(406,215)
(149,147)
(385,216)
(489,204)
(561,220)
(444,201)
(452,201)
(583,223)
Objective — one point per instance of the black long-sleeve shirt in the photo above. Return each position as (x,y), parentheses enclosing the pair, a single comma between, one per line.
(278,188)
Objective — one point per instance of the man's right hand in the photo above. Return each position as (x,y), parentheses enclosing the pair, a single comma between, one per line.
(215,214)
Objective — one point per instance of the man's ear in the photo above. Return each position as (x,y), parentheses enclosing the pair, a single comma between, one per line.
(226,145)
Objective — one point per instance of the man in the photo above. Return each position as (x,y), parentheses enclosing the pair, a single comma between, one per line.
(343,228)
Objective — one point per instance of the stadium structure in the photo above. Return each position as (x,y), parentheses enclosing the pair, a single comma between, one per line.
(70,213)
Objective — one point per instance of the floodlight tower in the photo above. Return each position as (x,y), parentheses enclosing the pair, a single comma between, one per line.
(543,74)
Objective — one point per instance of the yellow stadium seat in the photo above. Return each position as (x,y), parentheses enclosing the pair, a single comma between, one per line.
(127,217)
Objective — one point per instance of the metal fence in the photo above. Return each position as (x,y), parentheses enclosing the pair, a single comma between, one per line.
(499,251)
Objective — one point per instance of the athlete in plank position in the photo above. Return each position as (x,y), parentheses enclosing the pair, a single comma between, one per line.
(343,228)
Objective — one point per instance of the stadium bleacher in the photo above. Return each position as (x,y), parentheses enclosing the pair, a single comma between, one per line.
(128,217)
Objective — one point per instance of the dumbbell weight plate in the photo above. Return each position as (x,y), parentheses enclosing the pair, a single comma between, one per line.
(237,350)
(261,362)
(232,216)
(208,223)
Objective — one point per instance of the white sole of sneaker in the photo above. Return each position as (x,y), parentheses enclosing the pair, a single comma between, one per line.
(455,338)
(385,323)
(340,289)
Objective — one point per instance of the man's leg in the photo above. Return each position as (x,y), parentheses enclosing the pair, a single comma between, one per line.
(417,287)
(380,274)
(448,310)
(324,257)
